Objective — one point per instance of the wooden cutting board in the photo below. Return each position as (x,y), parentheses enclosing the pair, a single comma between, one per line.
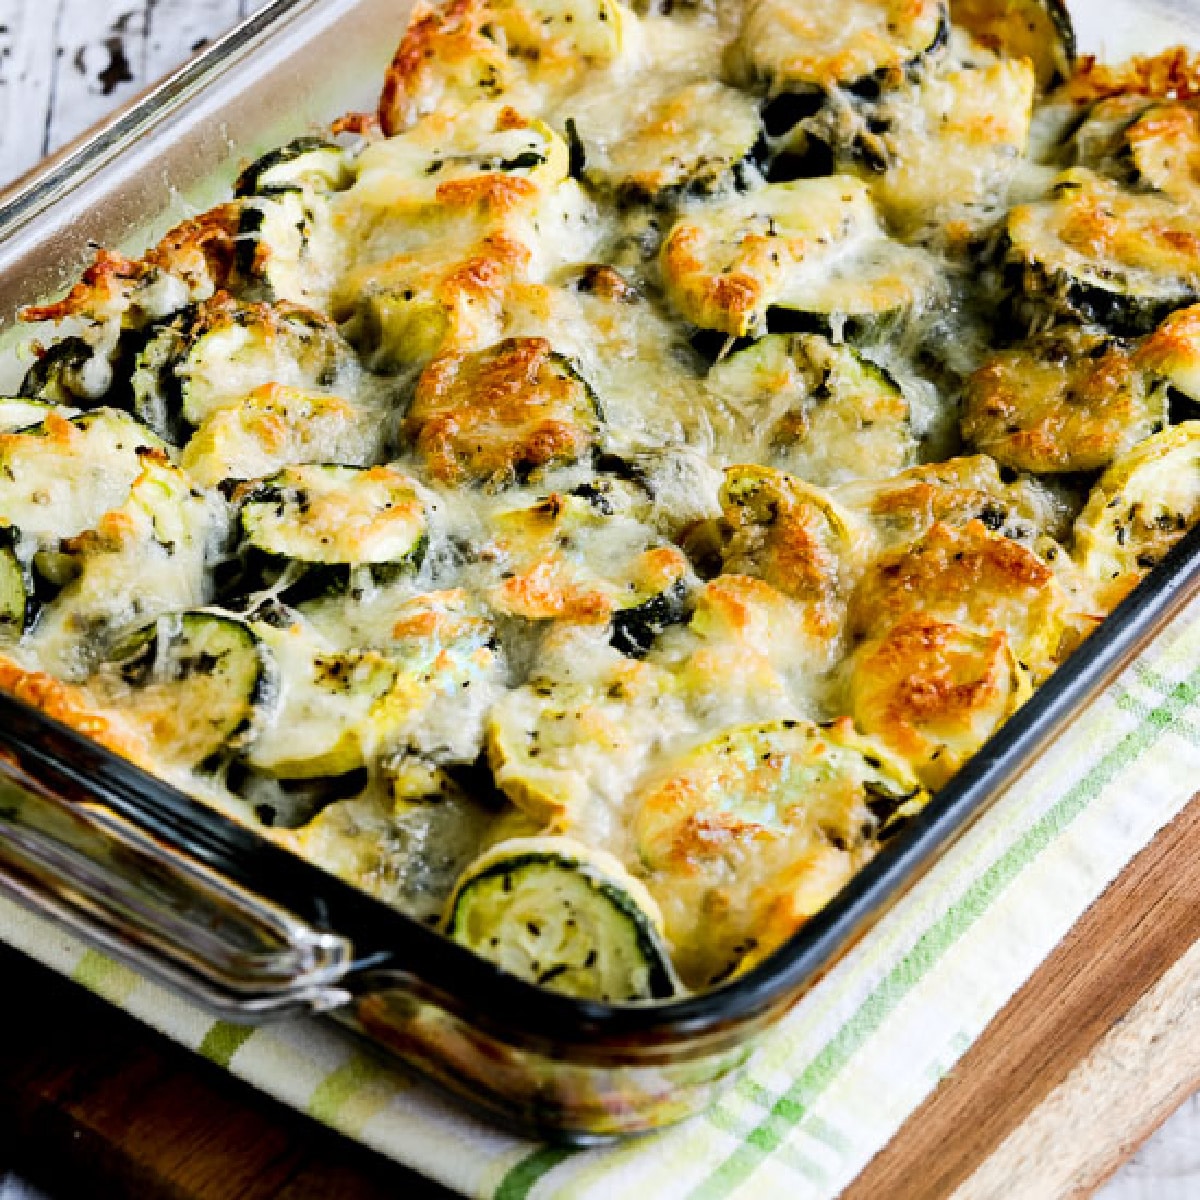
(1091,1055)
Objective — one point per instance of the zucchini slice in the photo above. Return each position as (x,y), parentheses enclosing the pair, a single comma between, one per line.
(406,849)
(571,559)
(597,31)
(700,140)
(1172,352)
(236,348)
(196,682)
(823,412)
(500,414)
(275,427)
(934,692)
(792,45)
(1039,30)
(1151,144)
(796,538)
(1065,402)
(62,476)
(1098,254)
(426,690)
(813,247)
(1142,505)
(1164,149)
(288,247)
(1099,141)
(449,60)
(955,492)
(307,164)
(951,147)
(332,521)
(153,384)
(566,917)
(17,603)
(484,154)
(69,372)
(146,557)
(455,57)
(746,836)
(971,577)
(564,746)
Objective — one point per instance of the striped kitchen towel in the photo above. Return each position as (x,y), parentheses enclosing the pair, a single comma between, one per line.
(842,1072)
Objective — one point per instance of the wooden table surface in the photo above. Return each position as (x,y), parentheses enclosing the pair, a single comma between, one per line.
(1097,1049)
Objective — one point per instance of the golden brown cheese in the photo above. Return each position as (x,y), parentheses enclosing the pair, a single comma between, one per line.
(795,538)
(488,415)
(934,692)
(747,835)
(954,144)
(790,44)
(973,578)
(1063,403)
(1138,252)
(75,708)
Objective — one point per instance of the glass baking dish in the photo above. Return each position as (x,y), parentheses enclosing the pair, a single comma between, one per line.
(183,893)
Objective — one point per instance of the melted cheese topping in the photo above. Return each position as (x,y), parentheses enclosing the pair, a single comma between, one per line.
(705,474)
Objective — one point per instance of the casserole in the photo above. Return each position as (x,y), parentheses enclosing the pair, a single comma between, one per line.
(143,869)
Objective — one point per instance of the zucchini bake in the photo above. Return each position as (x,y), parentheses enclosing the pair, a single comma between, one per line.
(595,501)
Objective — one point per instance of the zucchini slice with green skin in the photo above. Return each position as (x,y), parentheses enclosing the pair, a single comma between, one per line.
(153,383)
(746,836)
(1065,402)
(425,691)
(307,164)
(61,477)
(583,558)
(500,414)
(17,604)
(1039,30)
(274,427)
(288,248)
(1145,264)
(792,45)
(69,372)
(636,627)
(564,916)
(1148,143)
(332,521)
(811,247)
(147,557)
(700,140)
(823,412)
(433,163)
(199,683)
(1099,141)
(235,349)
(1164,149)
(1141,507)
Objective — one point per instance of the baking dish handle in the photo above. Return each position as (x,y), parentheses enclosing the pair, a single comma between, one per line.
(156,907)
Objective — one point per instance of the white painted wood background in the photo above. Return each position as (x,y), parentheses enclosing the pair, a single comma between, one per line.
(64,64)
